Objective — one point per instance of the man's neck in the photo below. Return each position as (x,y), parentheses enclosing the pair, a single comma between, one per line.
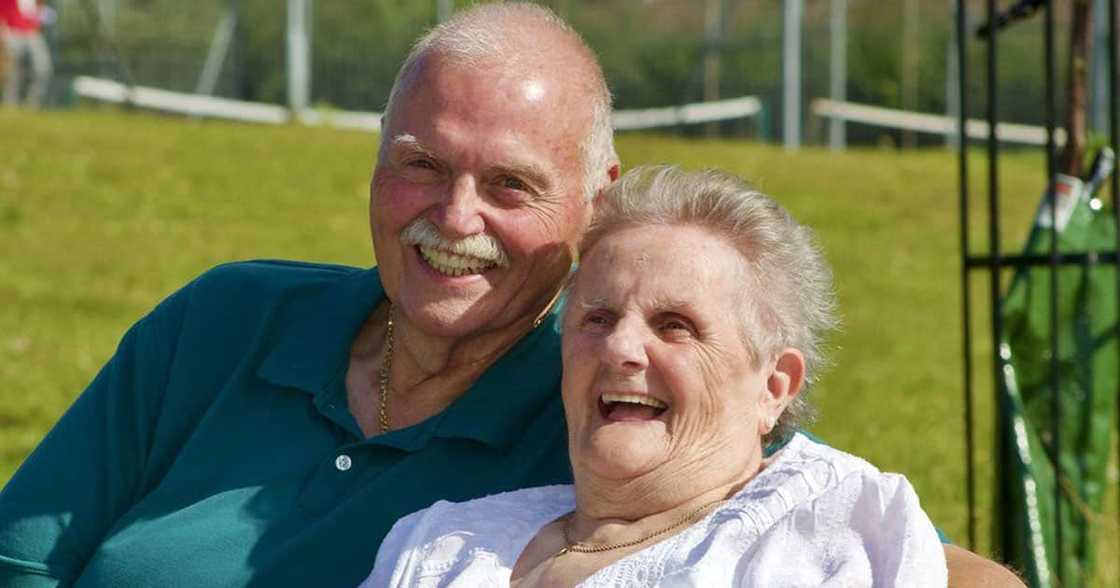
(428,372)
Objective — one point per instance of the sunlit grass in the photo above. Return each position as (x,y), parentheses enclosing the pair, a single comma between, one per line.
(102,214)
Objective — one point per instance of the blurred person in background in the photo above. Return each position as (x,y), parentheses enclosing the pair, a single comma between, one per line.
(21,23)
(268,423)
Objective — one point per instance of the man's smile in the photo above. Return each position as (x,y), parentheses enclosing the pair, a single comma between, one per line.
(453,264)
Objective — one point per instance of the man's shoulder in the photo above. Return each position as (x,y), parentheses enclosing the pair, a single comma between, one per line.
(257,281)
(274,273)
(233,293)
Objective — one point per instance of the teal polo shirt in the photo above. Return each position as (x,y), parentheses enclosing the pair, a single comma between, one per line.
(216,448)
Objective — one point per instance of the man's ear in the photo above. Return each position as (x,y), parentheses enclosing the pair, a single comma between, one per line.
(784,382)
(614,171)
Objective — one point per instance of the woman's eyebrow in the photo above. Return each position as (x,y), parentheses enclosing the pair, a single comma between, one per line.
(670,304)
(593,303)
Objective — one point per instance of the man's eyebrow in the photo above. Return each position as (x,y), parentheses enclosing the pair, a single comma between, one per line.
(409,143)
(536,174)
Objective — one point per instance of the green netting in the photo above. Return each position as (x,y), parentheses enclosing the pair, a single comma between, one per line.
(1087,363)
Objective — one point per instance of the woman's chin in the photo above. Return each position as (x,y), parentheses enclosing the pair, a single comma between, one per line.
(625,451)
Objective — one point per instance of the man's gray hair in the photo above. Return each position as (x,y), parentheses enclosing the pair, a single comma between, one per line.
(509,33)
(788,298)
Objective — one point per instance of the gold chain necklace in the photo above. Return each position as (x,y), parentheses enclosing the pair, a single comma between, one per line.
(387,365)
(581,547)
(383,377)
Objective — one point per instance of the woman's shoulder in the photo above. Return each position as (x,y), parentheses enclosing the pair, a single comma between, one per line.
(527,506)
(474,539)
(805,471)
(805,456)
(840,512)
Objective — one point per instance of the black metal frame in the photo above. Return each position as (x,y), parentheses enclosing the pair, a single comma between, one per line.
(995,261)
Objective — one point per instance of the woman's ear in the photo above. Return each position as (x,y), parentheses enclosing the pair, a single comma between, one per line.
(782,386)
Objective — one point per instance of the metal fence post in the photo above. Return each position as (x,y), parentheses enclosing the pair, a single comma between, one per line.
(791,74)
(299,54)
(838,70)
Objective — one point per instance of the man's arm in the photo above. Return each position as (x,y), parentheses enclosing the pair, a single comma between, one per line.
(91,467)
(968,569)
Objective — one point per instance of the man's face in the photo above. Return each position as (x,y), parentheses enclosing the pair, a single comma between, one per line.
(476,204)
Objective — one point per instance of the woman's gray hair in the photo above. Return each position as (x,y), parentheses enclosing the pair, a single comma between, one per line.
(788,298)
(507,32)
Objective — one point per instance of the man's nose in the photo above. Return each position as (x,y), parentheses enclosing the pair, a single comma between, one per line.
(459,214)
(625,347)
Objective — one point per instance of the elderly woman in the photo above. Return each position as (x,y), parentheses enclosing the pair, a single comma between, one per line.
(691,330)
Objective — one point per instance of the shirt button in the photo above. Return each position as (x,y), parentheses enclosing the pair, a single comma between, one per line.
(343,462)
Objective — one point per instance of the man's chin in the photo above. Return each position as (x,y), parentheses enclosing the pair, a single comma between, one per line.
(448,318)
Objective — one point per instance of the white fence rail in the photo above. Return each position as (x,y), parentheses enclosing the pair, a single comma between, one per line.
(930,123)
(223,108)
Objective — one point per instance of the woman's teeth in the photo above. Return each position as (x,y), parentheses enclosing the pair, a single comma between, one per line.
(452,264)
(642,399)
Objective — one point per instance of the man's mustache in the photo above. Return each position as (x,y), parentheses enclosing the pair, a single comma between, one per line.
(482,246)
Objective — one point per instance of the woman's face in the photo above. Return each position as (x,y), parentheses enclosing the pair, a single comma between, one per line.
(658,380)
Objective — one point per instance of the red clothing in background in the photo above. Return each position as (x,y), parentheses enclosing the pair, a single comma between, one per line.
(20,15)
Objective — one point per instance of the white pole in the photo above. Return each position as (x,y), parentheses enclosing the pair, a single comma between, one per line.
(108,10)
(910,64)
(713,33)
(1098,72)
(838,70)
(216,56)
(299,55)
(791,74)
(952,83)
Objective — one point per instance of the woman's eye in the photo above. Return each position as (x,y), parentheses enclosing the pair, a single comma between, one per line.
(597,320)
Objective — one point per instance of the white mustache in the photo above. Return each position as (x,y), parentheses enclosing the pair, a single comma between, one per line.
(482,246)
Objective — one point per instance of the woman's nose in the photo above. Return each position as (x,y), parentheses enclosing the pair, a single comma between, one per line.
(459,213)
(625,347)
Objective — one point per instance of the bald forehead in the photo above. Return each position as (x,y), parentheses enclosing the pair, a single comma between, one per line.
(552,90)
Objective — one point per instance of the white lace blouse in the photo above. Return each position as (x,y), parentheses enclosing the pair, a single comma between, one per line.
(815,516)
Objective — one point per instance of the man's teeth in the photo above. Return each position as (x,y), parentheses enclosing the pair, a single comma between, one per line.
(452,264)
(634,399)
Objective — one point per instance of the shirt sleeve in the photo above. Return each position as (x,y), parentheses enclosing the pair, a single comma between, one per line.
(904,547)
(90,468)
(393,564)
(868,530)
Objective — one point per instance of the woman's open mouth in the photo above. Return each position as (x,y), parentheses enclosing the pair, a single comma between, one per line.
(630,407)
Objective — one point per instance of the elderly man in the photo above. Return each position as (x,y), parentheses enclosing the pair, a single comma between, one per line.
(269,422)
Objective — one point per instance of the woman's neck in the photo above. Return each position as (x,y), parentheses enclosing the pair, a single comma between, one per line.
(611,511)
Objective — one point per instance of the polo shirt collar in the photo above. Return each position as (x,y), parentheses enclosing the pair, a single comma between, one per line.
(512,394)
(315,328)
(313,338)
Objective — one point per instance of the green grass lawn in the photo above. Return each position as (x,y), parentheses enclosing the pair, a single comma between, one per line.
(102,214)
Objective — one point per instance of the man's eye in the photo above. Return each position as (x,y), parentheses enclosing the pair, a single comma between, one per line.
(676,327)
(422,163)
(511,183)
